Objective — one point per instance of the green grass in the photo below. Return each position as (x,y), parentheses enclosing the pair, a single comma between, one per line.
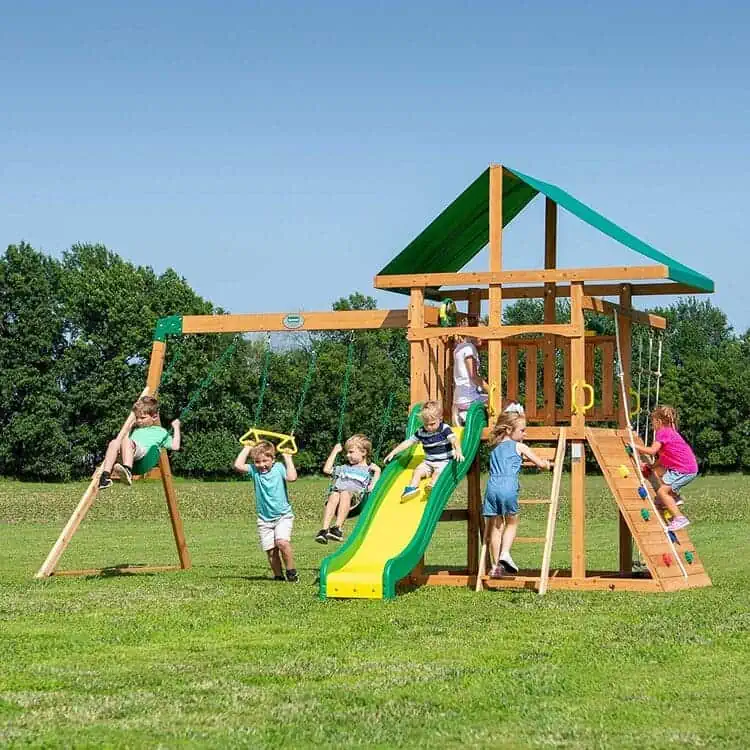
(223,657)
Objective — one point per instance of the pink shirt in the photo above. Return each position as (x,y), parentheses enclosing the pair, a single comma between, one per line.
(675,453)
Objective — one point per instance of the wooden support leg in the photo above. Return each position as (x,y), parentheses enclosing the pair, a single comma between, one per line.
(482,571)
(475,510)
(53,558)
(174,511)
(626,549)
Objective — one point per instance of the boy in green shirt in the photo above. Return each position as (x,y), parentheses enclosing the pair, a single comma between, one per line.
(148,433)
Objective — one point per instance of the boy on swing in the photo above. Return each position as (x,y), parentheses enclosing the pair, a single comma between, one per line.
(350,481)
(148,433)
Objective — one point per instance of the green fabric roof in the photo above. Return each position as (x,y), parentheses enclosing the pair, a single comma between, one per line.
(451,240)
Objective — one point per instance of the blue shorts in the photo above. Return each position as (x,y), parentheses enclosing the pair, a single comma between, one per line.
(676,480)
(501,499)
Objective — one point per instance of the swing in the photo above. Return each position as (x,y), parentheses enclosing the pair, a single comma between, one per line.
(150,460)
(286,441)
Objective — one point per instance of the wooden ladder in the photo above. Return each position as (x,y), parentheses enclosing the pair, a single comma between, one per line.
(558,455)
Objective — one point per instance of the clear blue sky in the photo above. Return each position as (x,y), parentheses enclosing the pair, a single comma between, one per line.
(278,154)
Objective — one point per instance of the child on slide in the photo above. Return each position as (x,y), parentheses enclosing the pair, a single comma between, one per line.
(440,447)
(148,433)
(350,481)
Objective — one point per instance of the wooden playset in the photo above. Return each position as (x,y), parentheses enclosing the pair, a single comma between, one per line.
(583,404)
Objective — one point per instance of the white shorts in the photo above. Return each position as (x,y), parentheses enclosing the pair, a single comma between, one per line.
(138,451)
(433,468)
(272,531)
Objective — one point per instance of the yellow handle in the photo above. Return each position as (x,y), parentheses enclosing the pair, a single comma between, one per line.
(637,397)
(491,401)
(584,386)
(286,444)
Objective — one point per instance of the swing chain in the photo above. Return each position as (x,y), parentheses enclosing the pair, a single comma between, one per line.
(206,382)
(383,427)
(263,379)
(305,389)
(345,389)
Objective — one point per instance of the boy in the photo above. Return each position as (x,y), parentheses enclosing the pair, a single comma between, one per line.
(148,434)
(440,447)
(275,517)
(468,384)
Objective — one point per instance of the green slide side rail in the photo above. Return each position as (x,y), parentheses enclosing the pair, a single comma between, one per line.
(400,566)
(344,554)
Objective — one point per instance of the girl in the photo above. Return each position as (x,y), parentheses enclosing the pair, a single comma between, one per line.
(350,481)
(677,465)
(501,497)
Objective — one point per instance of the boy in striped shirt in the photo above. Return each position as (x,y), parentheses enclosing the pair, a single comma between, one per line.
(440,448)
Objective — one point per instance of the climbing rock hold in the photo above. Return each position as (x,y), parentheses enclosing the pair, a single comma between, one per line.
(623,471)
(644,514)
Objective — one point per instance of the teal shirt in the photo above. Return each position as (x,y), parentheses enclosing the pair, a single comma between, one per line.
(148,437)
(271,499)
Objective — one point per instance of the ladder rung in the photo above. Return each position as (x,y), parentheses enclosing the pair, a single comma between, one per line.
(530,539)
(533,502)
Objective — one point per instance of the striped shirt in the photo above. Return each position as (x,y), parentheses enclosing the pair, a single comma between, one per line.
(348,478)
(437,445)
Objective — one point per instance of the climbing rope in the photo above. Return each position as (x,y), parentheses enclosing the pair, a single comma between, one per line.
(640,374)
(206,382)
(642,489)
(648,384)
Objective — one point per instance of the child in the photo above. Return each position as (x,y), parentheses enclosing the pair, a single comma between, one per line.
(350,481)
(148,433)
(468,384)
(501,497)
(440,447)
(677,464)
(275,517)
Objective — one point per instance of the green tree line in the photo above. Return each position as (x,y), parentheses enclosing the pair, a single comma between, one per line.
(76,335)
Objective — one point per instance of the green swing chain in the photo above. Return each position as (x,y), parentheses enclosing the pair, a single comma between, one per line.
(345,389)
(264,380)
(213,372)
(305,389)
(168,372)
(383,427)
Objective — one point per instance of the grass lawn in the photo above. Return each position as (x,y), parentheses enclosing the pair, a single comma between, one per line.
(221,656)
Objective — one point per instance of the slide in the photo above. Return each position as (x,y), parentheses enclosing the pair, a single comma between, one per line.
(391,536)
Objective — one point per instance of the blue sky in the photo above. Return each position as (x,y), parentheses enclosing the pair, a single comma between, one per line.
(278,154)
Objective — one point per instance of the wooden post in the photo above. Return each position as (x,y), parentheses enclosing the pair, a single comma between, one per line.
(550,299)
(155,366)
(578,447)
(495,348)
(626,341)
(474,487)
(84,504)
(416,348)
(174,511)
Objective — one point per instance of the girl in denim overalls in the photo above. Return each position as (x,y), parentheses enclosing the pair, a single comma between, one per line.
(501,496)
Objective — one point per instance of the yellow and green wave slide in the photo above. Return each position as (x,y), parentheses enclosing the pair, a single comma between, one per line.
(391,536)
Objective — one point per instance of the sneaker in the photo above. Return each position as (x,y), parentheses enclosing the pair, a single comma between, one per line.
(678,523)
(336,534)
(124,473)
(506,562)
(409,492)
(322,537)
(292,577)
(105,482)
(496,572)
(679,501)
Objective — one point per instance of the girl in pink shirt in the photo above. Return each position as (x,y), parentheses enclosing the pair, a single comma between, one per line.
(677,465)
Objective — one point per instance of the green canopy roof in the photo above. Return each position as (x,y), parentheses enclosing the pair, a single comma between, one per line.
(462,230)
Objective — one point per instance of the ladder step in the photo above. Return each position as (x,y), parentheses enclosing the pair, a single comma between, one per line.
(533,502)
(530,539)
